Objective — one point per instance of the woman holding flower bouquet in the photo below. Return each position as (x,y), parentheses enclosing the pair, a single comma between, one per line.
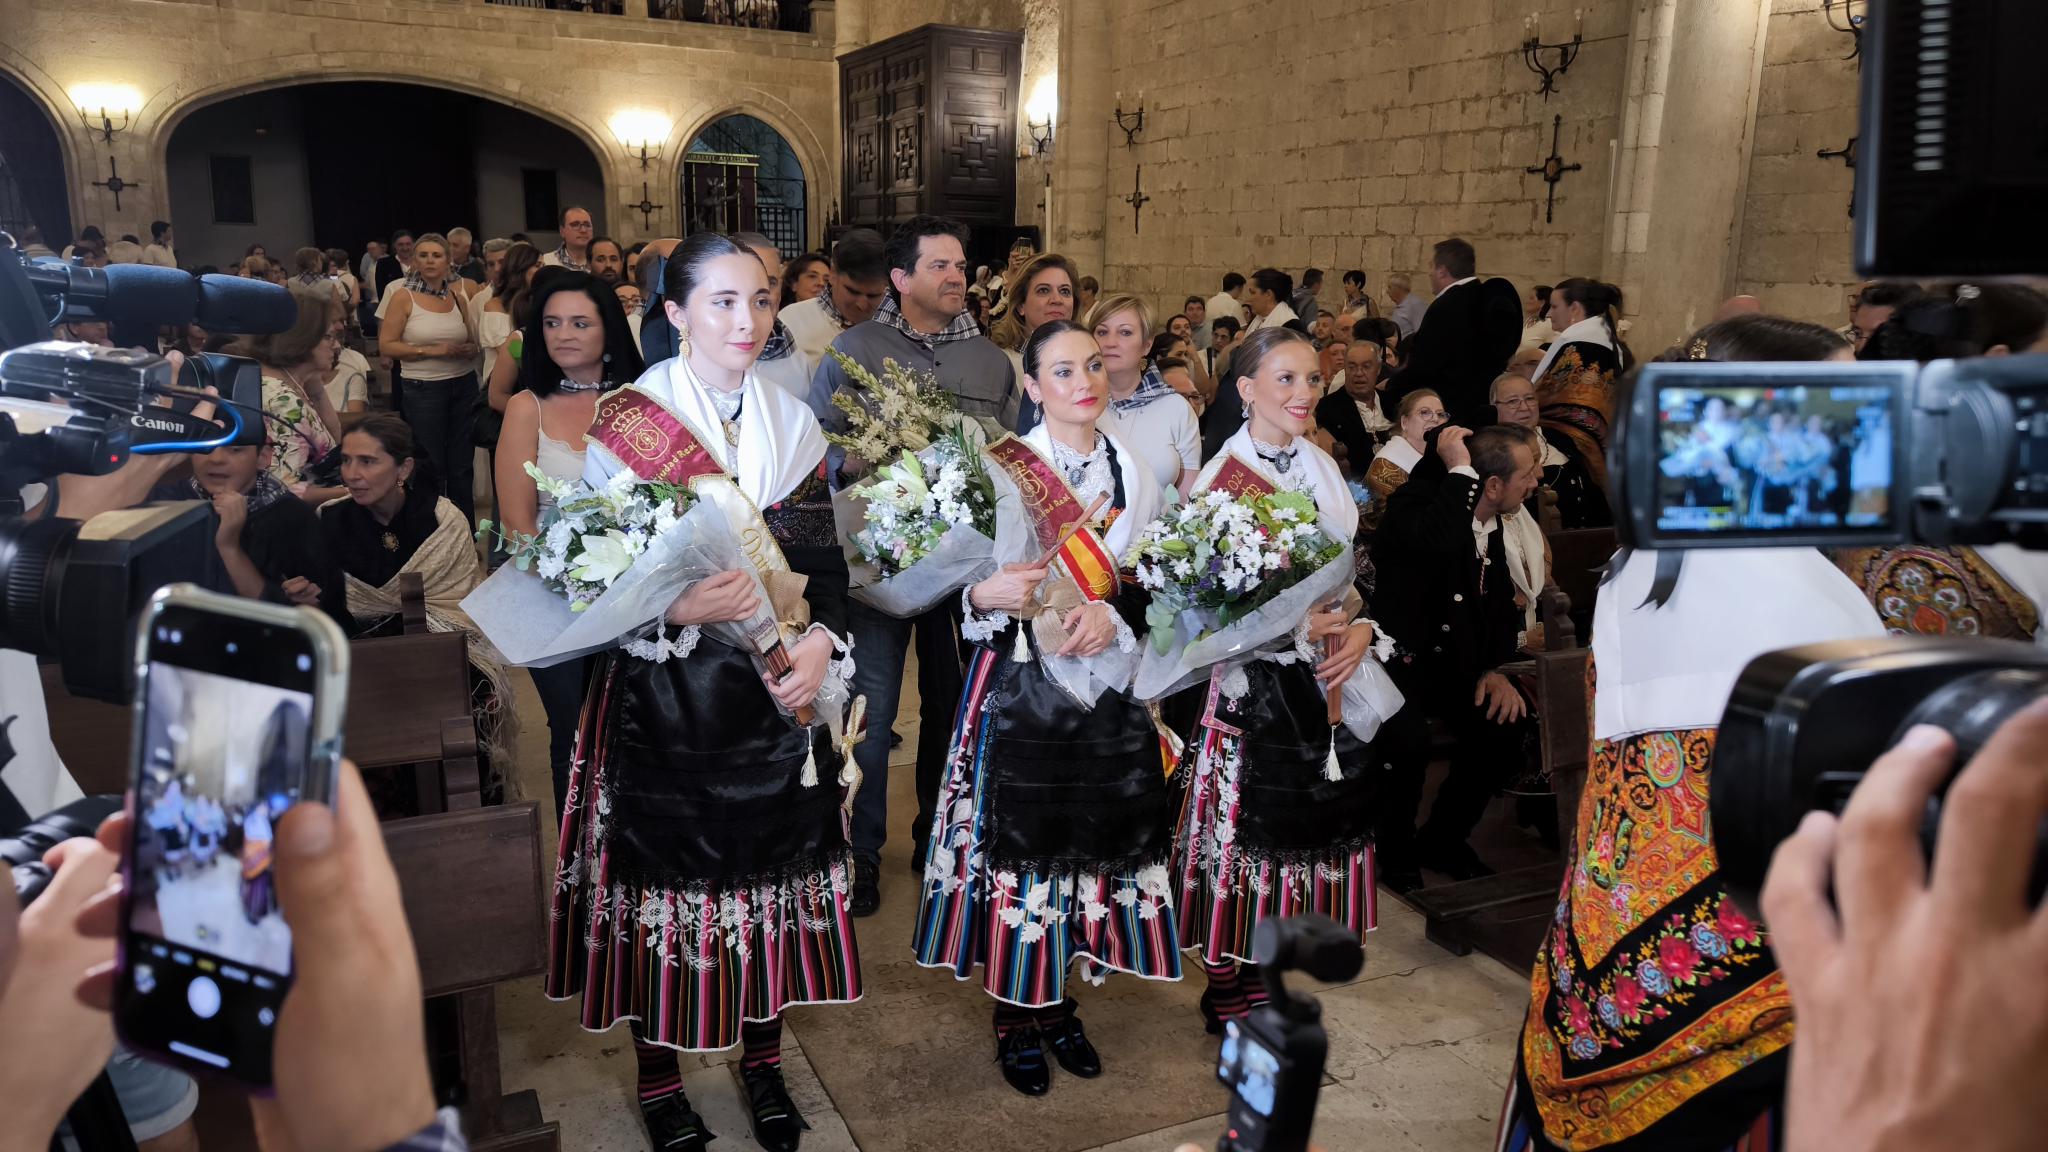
(1055,821)
(1277,812)
(702,875)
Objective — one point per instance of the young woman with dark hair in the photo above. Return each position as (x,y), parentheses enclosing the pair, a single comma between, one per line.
(1577,378)
(703,870)
(576,346)
(1054,823)
(497,319)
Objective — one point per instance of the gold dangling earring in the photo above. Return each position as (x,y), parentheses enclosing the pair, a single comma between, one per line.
(683,342)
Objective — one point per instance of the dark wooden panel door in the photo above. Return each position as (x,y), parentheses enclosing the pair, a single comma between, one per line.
(865,106)
(930,126)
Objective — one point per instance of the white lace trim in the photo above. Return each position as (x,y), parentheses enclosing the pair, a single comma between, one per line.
(659,649)
(976,625)
(1126,640)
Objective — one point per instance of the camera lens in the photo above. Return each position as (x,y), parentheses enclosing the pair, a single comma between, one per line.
(1971,709)
(32,556)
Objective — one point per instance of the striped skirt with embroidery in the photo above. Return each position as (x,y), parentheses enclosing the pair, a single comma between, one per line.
(689,964)
(1224,891)
(1026,928)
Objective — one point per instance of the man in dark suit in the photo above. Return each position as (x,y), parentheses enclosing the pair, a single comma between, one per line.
(1351,414)
(1446,597)
(1466,337)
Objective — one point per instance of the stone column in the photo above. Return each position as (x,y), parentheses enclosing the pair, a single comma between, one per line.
(1688,126)
(1041,65)
(1080,163)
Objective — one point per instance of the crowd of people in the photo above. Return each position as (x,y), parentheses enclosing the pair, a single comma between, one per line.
(705,880)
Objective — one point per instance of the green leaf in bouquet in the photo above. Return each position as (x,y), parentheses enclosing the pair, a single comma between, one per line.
(1159,617)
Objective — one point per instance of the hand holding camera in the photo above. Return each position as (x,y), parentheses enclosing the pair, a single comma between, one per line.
(1915,1022)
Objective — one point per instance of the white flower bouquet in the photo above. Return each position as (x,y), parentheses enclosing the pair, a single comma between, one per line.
(589,539)
(904,410)
(1229,575)
(921,527)
(1219,557)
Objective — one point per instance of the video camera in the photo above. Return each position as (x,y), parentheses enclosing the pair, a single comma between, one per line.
(1727,455)
(1272,1060)
(81,409)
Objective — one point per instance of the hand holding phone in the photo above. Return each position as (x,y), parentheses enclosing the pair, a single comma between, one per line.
(238,719)
(350,1054)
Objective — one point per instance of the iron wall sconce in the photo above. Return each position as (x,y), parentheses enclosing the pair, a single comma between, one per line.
(1041,135)
(1567,51)
(1851,23)
(1132,123)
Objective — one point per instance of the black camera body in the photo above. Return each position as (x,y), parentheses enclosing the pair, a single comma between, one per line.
(71,590)
(1804,724)
(1272,1060)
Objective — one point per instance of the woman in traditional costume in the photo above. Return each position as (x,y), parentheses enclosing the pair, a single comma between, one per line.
(1658,1019)
(1277,814)
(702,874)
(1418,412)
(389,525)
(1576,379)
(1055,820)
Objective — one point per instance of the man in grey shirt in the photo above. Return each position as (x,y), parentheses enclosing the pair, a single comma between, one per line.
(923,324)
(1408,307)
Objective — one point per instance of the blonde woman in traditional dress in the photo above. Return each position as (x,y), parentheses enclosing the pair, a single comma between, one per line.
(1277,817)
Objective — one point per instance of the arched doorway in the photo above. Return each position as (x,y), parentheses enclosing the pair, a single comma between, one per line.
(32,190)
(740,175)
(337,163)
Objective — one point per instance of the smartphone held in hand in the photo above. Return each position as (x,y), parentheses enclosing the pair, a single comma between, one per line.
(238,709)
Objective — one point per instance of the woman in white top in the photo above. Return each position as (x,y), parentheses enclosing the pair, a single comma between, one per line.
(1419,411)
(426,328)
(1045,293)
(1152,418)
(1267,297)
(495,321)
(576,346)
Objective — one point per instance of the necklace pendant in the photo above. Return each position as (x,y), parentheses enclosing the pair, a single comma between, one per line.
(732,433)
(390,541)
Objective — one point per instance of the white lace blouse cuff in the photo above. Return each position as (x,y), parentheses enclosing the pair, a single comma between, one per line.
(977,626)
(1126,640)
(661,647)
(1382,643)
(841,665)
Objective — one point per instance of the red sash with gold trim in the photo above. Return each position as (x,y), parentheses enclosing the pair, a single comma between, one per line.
(1239,479)
(1055,512)
(651,440)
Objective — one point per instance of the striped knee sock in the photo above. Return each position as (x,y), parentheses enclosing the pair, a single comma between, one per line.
(660,1073)
(1226,989)
(761,1044)
(1009,1018)
(1254,990)
(1054,1015)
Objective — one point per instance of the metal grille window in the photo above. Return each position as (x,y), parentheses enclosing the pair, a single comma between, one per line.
(740,175)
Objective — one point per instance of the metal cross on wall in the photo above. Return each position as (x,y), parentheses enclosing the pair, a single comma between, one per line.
(1137,199)
(113,183)
(645,208)
(1553,169)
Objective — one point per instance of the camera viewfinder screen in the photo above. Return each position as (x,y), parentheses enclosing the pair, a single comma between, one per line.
(222,760)
(1793,460)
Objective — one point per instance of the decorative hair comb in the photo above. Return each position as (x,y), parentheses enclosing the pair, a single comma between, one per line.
(1698,349)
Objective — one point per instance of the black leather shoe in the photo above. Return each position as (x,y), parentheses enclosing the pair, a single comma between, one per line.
(673,1126)
(778,1126)
(1071,1048)
(1023,1060)
(867,887)
(1458,861)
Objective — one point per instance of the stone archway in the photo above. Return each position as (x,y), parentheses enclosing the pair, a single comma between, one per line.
(316,154)
(740,174)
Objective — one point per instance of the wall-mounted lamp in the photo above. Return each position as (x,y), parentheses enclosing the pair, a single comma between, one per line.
(642,133)
(1567,51)
(1850,24)
(1038,114)
(1132,123)
(106,108)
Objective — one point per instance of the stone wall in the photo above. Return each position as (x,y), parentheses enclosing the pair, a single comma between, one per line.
(576,69)
(886,18)
(1315,134)
(1795,248)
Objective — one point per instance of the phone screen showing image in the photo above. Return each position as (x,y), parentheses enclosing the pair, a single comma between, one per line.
(226,748)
